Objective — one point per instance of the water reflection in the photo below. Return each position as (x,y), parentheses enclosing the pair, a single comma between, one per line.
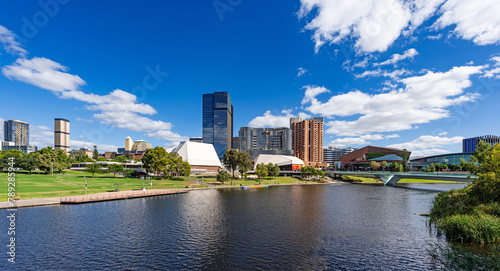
(293,227)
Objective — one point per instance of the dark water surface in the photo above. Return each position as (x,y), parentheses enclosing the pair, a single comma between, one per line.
(343,227)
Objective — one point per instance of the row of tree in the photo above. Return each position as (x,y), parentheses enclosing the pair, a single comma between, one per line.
(311,172)
(237,160)
(158,161)
(47,159)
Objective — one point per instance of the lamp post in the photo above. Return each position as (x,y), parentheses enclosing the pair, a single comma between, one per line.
(85,178)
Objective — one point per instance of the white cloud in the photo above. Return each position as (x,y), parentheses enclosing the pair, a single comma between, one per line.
(168,135)
(43,73)
(272,121)
(428,145)
(10,44)
(312,92)
(118,108)
(495,71)
(423,99)
(396,74)
(395,58)
(373,26)
(85,120)
(41,137)
(362,140)
(77,144)
(476,20)
(301,71)
(435,37)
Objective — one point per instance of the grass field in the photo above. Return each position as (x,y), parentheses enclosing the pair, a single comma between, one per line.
(237,182)
(358,179)
(72,183)
(29,186)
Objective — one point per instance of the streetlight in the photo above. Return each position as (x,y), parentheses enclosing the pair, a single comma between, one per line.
(85,178)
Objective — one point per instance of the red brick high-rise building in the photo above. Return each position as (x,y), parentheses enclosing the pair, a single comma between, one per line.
(307,141)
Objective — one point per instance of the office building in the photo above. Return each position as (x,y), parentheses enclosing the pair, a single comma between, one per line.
(128,143)
(469,145)
(218,121)
(256,141)
(307,141)
(61,135)
(362,157)
(16,135)
(448,159)
(236,143)
(331,155)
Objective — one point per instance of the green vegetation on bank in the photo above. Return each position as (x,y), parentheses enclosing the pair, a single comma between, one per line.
(30,186)
(472,214)
(263,181)
(358,179)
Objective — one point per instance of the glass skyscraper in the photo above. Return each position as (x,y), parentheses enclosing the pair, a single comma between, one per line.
(218,121)
(16,135)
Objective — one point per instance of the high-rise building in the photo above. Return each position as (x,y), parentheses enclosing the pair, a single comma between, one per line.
(307,141)
(333,154)
(257,141)
(218,121)
(16,135)
(469,144)
(61,135)
(128,143)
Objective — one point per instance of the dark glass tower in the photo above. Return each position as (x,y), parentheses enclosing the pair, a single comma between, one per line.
(218,121)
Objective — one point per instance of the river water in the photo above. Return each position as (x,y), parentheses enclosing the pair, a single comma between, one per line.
(316,227)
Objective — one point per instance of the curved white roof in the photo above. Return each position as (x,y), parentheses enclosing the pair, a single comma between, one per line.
(198,154)
(281,160)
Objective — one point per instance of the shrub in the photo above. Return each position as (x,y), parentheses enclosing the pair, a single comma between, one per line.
(477,228)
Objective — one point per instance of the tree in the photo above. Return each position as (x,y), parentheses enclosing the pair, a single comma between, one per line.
(94,168)
(261,171)
(115,168)
(62,161)
(395,167)
(177,166)
(95,153)
(223,176)
(51,160)
(16,154)
(375,165)
(128,171)
(120,159)
(273,170)
(308,172)
(230,159)
(383,164)
(30,161)
(244,163)
(155,160)
(405,155)
(185,169)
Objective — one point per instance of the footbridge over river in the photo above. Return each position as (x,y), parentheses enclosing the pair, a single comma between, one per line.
(391,178)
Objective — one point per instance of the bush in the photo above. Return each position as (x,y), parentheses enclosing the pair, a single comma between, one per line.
(478,228)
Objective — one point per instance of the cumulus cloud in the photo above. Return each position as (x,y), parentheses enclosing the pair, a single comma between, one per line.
(362,140)
(423,99)
(77,144)
(476,20)
(268,120)
(395,74)
(395,58)
(428,145)
(41,136)
(118,108)
(312,92)
(10,44)
(493,72)
(373,26)
(301,71)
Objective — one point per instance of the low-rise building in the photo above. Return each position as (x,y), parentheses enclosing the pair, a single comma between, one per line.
(285,162)
(362,157)
(201,156)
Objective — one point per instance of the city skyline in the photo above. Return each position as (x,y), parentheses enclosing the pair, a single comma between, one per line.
(429,81)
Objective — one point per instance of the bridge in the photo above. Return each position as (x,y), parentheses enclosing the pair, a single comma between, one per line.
(391,178)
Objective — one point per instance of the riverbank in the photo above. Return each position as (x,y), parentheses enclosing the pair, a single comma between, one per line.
(121,195)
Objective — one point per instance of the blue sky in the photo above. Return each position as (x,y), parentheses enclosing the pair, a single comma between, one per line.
(419,74)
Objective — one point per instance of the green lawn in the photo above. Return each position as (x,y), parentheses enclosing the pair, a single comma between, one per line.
(237,181)
(358,179)
(30,186)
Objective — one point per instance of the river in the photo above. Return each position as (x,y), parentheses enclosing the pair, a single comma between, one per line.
(315,227)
